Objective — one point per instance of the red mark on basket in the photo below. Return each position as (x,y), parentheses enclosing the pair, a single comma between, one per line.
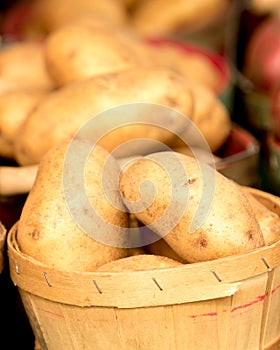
(275,289)
(52,313)
(259,299)
(203,315)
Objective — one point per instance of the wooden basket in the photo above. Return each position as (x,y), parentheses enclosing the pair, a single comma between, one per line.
(3,234)
(231,303)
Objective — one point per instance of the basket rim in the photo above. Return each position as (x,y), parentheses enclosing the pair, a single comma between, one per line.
(191,282)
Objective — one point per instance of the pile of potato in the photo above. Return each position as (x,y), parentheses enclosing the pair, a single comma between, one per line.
(61,229)
(83,68)
(147,17)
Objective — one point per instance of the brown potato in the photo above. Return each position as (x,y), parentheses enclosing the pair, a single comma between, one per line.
(70,107)
(7,148)
(268,220)
(138,263)
(210,116)
(49,15)
(23,62)
(194,66)
(14,108)
(80,50)
(201,214)
(162,17)
(68,234)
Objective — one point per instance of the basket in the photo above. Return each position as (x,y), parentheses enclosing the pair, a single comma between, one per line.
(230,303)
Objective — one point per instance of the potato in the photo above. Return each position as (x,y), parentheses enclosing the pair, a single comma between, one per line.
(194,66)
(211,118)
(268,220)
(67,109)
(211,124)
(6,148)
(162,17)
(80,50)
(56,225)
(23,62)
(14,108)
(200,214)
(138,263)
(49,15)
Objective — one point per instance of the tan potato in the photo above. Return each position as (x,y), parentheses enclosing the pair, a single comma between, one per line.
(268,220)
(70,107)
(138,263)
(14,108)
(23,62)
(49,15)
(11,84)
(66,234)
(194,66)
(163,17)
(7,148)
(201,214)
(78,51)
(211,117)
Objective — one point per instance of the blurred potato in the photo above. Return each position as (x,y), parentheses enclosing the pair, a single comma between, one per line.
(72,106)
(78,51)
(14,108)
(47,16)
(193,66)
(162,17)
(24,63)
(6,147)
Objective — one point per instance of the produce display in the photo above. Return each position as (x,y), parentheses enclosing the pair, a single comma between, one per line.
(121,132)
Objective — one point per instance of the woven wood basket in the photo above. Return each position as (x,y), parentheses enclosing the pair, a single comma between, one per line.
(231,303)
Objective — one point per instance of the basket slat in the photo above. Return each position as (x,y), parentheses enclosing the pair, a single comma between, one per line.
(271,324)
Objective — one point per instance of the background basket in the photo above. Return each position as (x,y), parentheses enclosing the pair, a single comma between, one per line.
(2,246)
(231,303)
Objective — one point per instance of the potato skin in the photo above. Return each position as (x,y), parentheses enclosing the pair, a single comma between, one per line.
(49,232)
(229,227)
